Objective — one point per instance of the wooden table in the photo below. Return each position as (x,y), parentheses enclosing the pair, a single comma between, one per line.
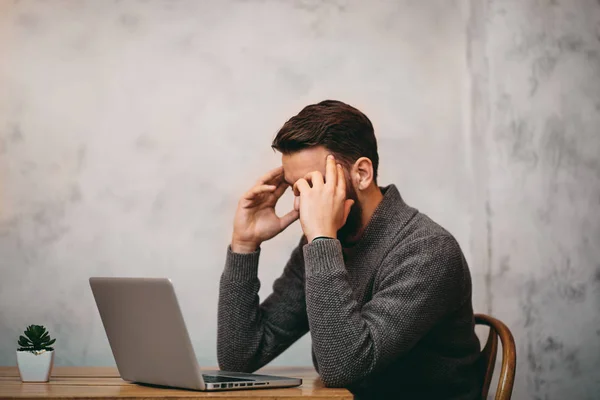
(104,383)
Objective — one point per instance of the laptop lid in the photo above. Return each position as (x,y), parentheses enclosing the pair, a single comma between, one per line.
(146,331)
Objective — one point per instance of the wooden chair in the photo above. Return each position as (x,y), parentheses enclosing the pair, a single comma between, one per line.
(488,357)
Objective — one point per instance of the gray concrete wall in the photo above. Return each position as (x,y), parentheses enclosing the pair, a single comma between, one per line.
(129,129)
(535,68)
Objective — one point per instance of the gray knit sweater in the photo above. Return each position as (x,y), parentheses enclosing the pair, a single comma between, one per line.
(391,316)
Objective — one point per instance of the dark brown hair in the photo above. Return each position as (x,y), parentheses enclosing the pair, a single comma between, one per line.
(342,129)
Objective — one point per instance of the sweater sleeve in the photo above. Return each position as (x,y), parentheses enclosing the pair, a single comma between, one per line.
(251,335)
(413,291)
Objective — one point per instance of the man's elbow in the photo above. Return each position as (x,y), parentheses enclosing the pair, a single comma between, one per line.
(233,365)
(230,361)
(338,373)
(336,379)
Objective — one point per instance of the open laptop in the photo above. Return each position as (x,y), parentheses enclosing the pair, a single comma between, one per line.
(150,341)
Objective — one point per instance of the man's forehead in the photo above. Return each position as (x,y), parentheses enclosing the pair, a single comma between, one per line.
(292,174)
(298,164)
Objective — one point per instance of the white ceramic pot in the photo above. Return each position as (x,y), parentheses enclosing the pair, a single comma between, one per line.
(35,367)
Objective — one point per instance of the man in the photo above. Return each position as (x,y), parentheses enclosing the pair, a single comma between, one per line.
(384,291)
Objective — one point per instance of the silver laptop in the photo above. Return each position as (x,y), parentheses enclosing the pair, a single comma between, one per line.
(150,341)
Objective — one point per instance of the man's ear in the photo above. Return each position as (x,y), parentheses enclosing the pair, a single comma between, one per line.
(362,173)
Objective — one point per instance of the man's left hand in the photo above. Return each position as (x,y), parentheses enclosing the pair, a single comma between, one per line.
(323,207)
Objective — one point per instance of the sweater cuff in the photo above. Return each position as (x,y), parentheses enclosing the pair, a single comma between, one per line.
(241,266)
(323,256)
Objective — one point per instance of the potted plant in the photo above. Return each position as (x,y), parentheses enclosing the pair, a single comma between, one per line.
(35,357)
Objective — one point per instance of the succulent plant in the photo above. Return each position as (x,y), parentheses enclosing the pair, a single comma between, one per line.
(36,339)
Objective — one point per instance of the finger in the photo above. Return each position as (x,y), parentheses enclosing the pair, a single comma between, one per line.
(297,203)
(341,181)
(281,188)
(288,218)
(300,186)
(330,171)
(257,190)
(271,175)
(315,178)
(256,200)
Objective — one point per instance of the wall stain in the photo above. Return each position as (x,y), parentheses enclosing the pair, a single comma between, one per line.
(504,266)
(81,155)
(294,79)
(534,364)
(551,344)
(573,292)
(522,148)
(16,135)
(75,195)
(592,56)
(541,69)
(564,277)
(570,43)
(545,50)
(28,21)
(554,143)
(159,201)
(571,361)
(145,142)
(561,151)
(126,203)
(47,224)
(488,273)
(530,311)
(312,6)
(186,42)
(28,167)
(130,22)
(81,43)
(553,354)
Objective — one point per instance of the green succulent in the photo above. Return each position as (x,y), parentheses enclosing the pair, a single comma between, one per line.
(36,338)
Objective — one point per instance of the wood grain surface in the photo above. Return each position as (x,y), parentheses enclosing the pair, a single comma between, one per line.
(105,383)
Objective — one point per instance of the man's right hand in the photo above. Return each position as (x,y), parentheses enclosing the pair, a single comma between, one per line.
(255,219)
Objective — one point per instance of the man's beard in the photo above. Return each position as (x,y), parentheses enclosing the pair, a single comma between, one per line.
(349,232)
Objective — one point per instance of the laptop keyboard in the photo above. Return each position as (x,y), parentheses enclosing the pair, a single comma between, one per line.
(221,379)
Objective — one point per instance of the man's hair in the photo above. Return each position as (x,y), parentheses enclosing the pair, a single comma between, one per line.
(342,129)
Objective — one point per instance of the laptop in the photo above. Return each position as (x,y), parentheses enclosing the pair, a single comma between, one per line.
(151,344)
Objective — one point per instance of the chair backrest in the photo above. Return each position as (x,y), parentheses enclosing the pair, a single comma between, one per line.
(488,357)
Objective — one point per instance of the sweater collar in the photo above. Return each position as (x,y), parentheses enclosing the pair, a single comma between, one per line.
(390,216)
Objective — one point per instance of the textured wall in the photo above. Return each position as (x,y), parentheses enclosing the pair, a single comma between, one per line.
(536,126)
(128,130)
